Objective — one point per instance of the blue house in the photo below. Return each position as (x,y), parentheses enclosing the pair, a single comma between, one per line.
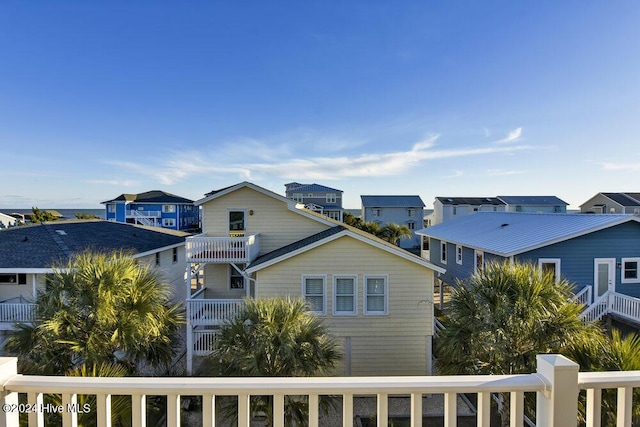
(401,210)
(600,254)
(318,198)
(154,208)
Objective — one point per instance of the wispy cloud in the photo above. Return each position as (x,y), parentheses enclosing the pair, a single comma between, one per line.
(114,182)
(502,172)
(253,159)
(513,136)
(620,166)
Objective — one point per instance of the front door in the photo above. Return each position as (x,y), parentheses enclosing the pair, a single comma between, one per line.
(604,276)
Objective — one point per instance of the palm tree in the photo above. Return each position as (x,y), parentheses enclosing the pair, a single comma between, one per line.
(371,227)
(392,233)
(99,309)
(608,353)
(275,338)
(505,315)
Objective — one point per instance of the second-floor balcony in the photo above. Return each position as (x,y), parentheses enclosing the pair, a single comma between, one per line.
(16,312)
(204,248)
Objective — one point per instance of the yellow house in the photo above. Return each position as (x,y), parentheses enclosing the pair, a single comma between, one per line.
(376,298)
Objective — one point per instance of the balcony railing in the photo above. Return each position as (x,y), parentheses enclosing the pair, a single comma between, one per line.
(202,248)
(133,213)
(19,312)
(556,383)
(212,311)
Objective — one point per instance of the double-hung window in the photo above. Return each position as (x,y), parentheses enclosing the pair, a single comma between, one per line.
(630,270)
(443,252)
(376,295)
(344,295)
(459,254)
(314,293)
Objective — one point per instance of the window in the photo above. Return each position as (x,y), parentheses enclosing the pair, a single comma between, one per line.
(168,208)
(375,295)
(479,261)
(13,279)
(630,273)
(518,208)
(443,252)
(550,266)
(313,291)
(455,210)
(344,295)
(458,254)
(298,197)
(411,225)
(157,258)
(557,209)
(168,222)
(175,255)
(334,215)
(425,243)
(330,198)
(376,212)
(236,279)
(411,212)
(111,208)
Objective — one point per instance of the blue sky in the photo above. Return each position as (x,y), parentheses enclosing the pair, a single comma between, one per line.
(455,98)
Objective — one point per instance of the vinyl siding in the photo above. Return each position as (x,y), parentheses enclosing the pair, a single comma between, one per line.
(277,225)
(577,255)
(172,273)
(216,279)
(378,342)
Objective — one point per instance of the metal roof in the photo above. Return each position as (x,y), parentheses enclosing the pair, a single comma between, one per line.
(473,201)
(40,245)
(510,233)
(533,200)
(392,201)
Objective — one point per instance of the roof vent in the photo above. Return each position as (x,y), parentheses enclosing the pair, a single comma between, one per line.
(61,232)
(504,225)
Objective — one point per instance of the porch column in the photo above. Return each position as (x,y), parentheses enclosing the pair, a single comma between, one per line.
(34,283)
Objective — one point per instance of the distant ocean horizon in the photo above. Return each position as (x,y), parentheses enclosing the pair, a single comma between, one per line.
(67,213)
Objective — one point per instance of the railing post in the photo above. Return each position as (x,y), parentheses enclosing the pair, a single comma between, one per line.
(557,405)
(8,400)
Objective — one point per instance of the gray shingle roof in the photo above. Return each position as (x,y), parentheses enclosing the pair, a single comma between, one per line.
(392,201)
(302,188)
(624,199)
(509,233)
(473,201)
(533,200)
(297,245)
(155,196)
(40,245)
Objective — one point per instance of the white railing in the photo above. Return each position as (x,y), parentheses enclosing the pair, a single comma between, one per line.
(212,311)
(438,327)
(584,296)
(147,214)
(597,310)
(203,341)
(624,306)
(21,312)
(556,383)
(222,249)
